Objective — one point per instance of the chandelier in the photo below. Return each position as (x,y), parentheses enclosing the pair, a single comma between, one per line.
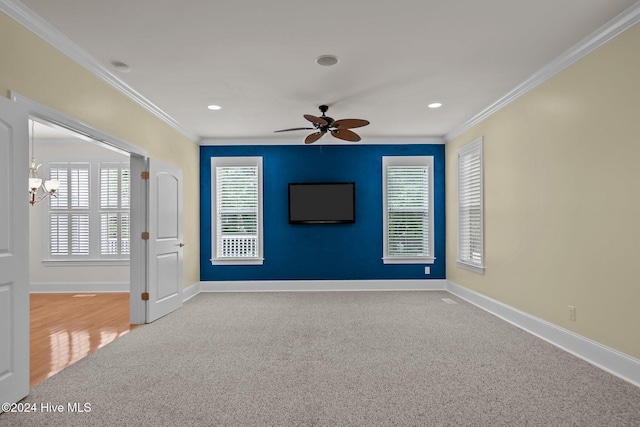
(39,189)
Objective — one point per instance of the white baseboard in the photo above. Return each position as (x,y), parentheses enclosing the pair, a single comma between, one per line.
(606,358)
(324,285)
(190,292)
(66,287)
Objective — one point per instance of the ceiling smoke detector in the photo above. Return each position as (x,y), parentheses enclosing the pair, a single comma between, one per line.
(121,66)
(327,60)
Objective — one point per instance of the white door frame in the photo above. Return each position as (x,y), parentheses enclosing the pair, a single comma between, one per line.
(138,207)
(138,214)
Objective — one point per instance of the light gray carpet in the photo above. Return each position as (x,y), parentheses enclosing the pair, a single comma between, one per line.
(333,359)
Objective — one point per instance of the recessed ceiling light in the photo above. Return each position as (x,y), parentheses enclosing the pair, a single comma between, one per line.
(435,105)
(121,66)
(214,107)
(327,60)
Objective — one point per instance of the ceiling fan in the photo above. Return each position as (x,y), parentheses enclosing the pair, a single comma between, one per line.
(324,124)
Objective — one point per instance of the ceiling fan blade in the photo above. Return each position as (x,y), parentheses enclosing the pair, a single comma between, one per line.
(287,130)
(316,120)
(345,134)
(313,137)
(350,123)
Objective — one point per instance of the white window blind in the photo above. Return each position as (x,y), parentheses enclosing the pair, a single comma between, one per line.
(408,204)
(470,215)
(237,211)
(237,188)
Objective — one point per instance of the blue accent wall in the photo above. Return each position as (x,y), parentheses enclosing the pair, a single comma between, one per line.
(322,251)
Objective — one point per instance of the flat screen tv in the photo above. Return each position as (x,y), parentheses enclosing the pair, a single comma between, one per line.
(322,202)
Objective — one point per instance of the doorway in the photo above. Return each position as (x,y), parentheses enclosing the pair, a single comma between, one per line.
(155,267)
(79,245)
(138,159)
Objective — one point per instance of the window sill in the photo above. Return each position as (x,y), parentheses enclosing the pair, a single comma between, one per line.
(408,260)
(471,267)
(237,261)
(84,262)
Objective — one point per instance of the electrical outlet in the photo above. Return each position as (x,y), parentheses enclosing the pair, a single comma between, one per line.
(572,313)
(427,270)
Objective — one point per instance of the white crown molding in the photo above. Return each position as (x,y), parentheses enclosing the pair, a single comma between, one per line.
(23,15)
(324,285)
(34,23)
(290,140)
(605,358)
(604,34)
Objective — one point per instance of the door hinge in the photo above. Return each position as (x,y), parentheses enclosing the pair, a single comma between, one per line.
(145,175)
(145,296)
(145,235)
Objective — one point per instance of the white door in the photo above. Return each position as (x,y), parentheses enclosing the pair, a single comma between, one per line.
(164,279)
(14,250)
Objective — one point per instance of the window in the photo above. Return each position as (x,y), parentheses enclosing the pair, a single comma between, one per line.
(70,211)
(114,209)
(408,210)
(236,186)
(470,215)
(89,215)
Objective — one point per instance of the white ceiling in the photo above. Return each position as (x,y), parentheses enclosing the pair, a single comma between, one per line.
(257,58)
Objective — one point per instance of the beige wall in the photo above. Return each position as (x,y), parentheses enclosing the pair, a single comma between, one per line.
(31,67)
(562,198)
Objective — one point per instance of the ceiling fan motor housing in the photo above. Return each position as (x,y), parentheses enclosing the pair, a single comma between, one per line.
(329,120)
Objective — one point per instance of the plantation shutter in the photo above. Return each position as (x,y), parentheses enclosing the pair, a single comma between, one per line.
(114,209)
(59,230)
(69,232)
(61,199)
(109,187)
(470,233)
(79,187)
(79,234)
(237,211)
(125,189)
(408,211)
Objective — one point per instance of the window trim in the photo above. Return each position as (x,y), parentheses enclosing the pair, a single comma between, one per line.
(236,161)
(475,146)
(407,161)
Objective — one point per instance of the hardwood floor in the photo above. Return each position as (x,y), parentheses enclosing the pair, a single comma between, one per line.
(67,327)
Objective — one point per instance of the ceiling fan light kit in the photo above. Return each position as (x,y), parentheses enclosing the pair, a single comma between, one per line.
(323,124)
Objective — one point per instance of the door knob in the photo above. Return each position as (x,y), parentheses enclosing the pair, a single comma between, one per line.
(181,244)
